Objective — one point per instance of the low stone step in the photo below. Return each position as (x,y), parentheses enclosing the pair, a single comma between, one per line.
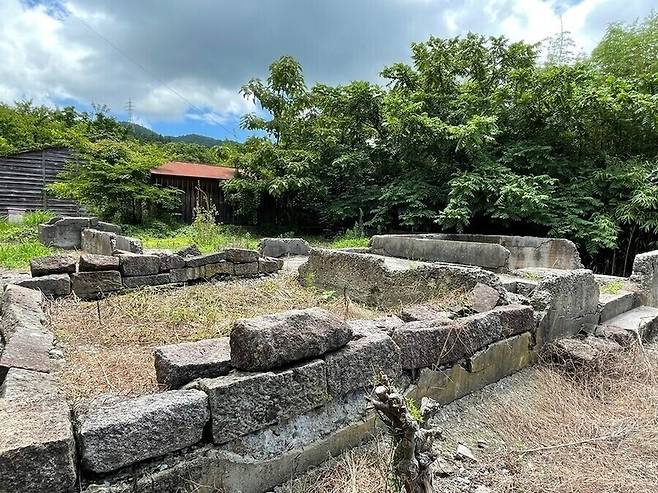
(642,320)
(612,305)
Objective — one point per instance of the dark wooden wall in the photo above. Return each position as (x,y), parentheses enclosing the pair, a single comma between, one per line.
(197,190)
(23,177)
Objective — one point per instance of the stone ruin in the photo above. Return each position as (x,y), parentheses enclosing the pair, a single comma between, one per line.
(286,391)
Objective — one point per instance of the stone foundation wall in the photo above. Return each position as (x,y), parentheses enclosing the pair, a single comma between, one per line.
(499,253)
(66,232)
(284,392)
(93,276)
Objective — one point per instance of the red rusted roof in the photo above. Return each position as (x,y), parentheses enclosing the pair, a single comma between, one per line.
(194,170)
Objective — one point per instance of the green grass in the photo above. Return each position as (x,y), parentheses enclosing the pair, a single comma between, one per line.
(612,287)
(19,243)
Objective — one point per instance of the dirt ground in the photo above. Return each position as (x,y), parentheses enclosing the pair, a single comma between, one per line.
(539,431)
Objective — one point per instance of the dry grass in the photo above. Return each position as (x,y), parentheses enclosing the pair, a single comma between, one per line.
(548,431)
(113,353)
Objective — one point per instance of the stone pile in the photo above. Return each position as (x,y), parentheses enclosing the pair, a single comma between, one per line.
(94,276)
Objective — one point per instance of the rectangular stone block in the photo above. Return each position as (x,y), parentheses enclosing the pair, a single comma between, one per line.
(359,364)
(246,269)
(139,265)
(52,285)
(93,284)
(152,280)
(90,262)
(209,270)
(241,255)
(53,264)
(37,451)
(178,364)
(28,348)
(178,275)
(436,343)
(485,367)
(241,402)
(117,435)
(20,307)
(269,265)
(205,259)
(170,261)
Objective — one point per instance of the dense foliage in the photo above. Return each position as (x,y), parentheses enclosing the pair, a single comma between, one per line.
(474,135)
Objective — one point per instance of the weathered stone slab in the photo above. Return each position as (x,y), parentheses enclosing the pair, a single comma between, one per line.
(414,313)
(242,402)
(482,298)
(21,308)
(612,305)
(357,365)
(269,265)
(209,270)
(178,364)
(28,348)
(241,255)
(37,451)
(567,302)
(178,275)
(65,232)
(152,280)
(113,436)
(645,273)
(246,269)
(487,366)
(205,259)
(281,247)
(21,297)
(108,227)
(364,328)
(436,343)
(189,251)
(23,386)
(170,261)
(273,341)
(586,352)
(92,284)
(139,265)
(51,286)
(90,262)
(106,243)
(53,264)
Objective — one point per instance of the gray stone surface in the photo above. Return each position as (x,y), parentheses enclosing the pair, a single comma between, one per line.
(282,247)
(53,264)
(436,343)
(37,451)
(28,348)
(358,365)
(364,328)
(139,265)
(106,243)
(205,259)
(114,436)
(189,251)
(645,273)
(170,261)
(208,271)
(90,262)
(273,341)
(65,232)
(414,313)
(482,298)
(21,307)
(178,364)
(246,269)
(241,402)
(641,321)
(387,281)
(51,286)
(241,255)
(567,303)
(423,247)
(92,284)
(24,386)
(527,251)
(269,265)
(108,227)
(178,275)
(586,352)
(141,281)
(611,305)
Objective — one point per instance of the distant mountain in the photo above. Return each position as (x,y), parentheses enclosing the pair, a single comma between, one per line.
(147,135)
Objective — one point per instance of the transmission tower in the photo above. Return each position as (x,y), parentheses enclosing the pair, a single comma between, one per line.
(130,108)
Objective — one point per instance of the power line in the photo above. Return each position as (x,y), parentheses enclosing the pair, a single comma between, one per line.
(145,70)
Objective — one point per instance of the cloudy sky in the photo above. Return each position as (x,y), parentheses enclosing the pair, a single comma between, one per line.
(182,62)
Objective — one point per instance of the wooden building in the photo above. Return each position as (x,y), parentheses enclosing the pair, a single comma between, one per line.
(23,177)
(201,184)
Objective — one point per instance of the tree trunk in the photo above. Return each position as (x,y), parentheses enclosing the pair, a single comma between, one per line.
(412,458)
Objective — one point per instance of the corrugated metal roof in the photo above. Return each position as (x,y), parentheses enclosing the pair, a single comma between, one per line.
(194,170)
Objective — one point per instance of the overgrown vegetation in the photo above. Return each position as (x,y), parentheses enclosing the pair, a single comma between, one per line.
(19,242)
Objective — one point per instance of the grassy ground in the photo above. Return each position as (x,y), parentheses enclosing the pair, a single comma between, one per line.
(109,345)
(542,430)
(19,243)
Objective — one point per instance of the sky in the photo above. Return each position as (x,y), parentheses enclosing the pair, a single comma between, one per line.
(182,62)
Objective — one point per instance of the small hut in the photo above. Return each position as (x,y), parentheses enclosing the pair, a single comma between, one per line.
(200,183)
